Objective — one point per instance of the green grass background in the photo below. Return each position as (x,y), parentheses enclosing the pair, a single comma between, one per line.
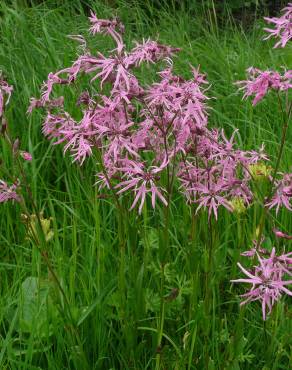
(109,329)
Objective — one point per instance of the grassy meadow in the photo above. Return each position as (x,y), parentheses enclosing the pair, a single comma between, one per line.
(161,302)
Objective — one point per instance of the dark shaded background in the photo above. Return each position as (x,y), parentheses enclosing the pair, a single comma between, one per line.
(241,9)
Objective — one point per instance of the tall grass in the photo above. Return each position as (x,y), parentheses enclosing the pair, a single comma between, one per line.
(186,284)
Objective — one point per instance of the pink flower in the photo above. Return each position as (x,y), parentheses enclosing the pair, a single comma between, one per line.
(26,155)
(109,27)
(260,82)
(257,156)
(280,234)
(53,123)
(189,176)
(112,69)
(212,196)
(283,29)
(267,282)
(38,103)
(284,261)
(179,96)
(8,192)
(142,181)
(283,194)
(112,126)
(149,51)
(5,90)
(78,137)
(47,88)
(256,249)
(163,93)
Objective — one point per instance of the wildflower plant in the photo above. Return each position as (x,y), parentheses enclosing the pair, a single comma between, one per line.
(143,132)
(149,141)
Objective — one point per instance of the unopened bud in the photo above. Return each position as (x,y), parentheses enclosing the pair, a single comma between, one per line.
(26,155)
(237,204)
(280,234)
(15,146)
(3,126)
(260,171)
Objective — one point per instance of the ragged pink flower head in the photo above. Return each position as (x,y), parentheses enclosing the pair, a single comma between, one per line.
(260,82)
(267,279)
(257,156)
(257,248)
(212,196)
(104,25)
(284,261)
(142,181)
(283,27)
(8,192)
(5,93)
(149,51)
(283,194)
(109,27)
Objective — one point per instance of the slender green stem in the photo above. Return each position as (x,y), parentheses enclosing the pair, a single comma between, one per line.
(164,251)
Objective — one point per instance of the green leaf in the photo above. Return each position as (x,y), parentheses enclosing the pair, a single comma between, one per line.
(36,310)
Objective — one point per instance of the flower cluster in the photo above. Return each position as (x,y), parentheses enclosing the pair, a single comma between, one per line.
(283,27)
(260,82)
(267,279)
(148,138)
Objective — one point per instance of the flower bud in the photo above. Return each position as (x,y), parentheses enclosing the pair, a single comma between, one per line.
(26,155)
(260,171)
(237,203)
(3,126)
(15,146)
